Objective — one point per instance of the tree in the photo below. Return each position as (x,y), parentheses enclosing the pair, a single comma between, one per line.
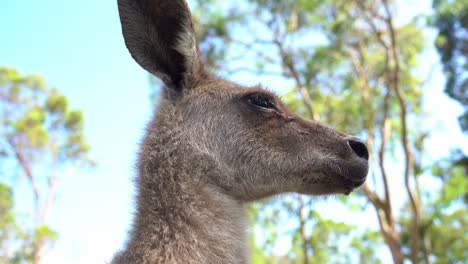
(447,210)
(446,213)
(451,21)
(42,137)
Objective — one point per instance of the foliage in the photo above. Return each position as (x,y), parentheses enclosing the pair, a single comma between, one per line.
(451,21)
(37,119)
(43,138)
(10,232)
(446,216)
(7,221)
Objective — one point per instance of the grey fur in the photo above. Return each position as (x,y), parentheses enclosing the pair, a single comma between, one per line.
(209,150)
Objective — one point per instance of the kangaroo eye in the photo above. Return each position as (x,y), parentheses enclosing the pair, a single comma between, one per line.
(262,101)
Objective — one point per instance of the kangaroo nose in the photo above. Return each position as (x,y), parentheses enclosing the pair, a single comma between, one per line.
(359,148)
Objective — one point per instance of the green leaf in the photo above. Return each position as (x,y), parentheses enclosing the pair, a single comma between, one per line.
(74,120)
(56,103)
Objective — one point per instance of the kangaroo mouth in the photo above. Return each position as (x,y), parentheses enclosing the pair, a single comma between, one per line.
(351,174)
(331,183)
(339,177)
(351,185)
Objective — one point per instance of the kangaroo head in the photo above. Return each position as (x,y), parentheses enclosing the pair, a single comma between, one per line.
(256,145)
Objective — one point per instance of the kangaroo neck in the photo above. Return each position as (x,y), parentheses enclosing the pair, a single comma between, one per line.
(182,218)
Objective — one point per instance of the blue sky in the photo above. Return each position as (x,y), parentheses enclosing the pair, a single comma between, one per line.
(77,46)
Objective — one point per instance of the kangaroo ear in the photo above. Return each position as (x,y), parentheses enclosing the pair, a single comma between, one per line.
(160,37)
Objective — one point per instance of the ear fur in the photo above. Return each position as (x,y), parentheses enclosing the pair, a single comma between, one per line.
(160,37)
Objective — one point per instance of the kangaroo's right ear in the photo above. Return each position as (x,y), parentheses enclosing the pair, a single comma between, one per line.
(159,35)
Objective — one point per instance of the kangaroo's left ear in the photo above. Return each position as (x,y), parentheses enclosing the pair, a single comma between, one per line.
(160,37)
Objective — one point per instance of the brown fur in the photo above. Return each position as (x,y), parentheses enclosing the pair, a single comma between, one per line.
(210,149)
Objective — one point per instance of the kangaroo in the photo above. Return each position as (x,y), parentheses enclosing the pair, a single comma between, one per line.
(214,146)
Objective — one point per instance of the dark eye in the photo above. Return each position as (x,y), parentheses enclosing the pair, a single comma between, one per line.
(262,101)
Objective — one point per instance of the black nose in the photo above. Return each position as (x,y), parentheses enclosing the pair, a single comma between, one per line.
(359,148)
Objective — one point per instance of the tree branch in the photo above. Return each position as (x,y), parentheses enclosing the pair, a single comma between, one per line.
(301,88)
(27,171)
(404,137)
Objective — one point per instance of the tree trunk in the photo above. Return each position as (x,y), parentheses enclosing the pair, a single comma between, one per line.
(38,251)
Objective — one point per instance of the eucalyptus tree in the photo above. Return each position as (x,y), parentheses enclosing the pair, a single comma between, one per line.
(41,139)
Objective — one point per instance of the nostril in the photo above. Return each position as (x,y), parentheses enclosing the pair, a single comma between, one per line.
(359,148)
